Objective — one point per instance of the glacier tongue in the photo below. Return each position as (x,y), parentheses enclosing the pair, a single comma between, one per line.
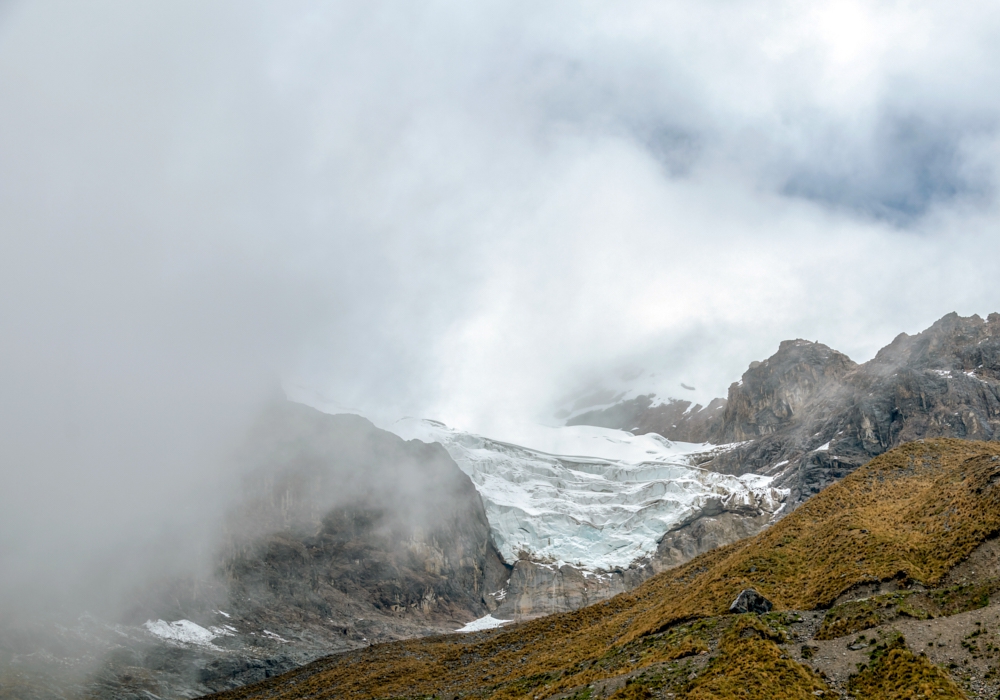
(603,503)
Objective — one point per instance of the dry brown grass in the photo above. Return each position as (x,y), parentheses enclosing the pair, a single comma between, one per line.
(857,615)
(912,513)
(896,673)
(751,666)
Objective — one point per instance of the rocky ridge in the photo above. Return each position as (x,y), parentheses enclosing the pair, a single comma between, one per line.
(809,415)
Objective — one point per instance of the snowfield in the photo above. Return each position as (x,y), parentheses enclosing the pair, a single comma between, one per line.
(487,622)
(591,497)
(187,632)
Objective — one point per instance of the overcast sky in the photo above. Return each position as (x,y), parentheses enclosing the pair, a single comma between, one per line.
(461,210)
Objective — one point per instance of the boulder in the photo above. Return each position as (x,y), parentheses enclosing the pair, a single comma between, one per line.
(750,601)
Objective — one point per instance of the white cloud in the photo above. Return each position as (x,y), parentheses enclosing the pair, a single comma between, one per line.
(457,210)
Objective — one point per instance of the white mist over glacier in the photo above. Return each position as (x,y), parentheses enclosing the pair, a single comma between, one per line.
(595,498)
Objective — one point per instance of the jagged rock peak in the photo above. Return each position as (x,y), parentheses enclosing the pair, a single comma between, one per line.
(772,392)
(942,382)
(809,415)
(953,342)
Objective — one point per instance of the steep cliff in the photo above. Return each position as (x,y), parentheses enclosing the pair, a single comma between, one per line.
(345,535)
(772,394)
(809,415)
(336,507)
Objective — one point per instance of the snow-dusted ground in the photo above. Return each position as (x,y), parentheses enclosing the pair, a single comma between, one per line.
(187,632)
(487,622)
(592,497)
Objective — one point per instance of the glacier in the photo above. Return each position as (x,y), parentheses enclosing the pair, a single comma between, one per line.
(594,498)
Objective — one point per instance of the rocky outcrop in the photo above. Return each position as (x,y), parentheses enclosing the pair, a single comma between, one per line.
(684,544)
(537,589)
(750,601)
(674,419)
(943,382)
(809,415)
(349,535)
(354,511)
(772,394)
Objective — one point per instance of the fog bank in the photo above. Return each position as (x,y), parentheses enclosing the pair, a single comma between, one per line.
(464,212)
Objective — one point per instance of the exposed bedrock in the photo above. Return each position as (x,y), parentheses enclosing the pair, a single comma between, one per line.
(943,382)
(809,415)
(537,589)
(684,544)
(356,512)
(674,418)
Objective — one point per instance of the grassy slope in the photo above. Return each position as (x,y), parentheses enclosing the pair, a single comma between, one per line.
(896,673)
(913,513)
(750,665)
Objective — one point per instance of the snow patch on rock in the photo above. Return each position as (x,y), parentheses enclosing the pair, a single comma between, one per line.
(487,622)
(187,632)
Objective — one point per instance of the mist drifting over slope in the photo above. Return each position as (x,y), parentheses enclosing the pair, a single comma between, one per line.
(461,211)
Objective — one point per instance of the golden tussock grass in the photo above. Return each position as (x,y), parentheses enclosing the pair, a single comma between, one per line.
(896,673)
(751,666)
(857,615)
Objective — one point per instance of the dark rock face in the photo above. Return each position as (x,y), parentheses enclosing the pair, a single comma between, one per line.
(675,419)
(809,415)
(537,589)
(750,601)
(772,393)
(358,512)
(704,534)
(346,535)
(943,382)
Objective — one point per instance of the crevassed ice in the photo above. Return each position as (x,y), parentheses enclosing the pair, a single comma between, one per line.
(595,512)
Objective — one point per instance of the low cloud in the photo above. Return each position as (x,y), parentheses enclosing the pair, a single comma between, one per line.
(466,212)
